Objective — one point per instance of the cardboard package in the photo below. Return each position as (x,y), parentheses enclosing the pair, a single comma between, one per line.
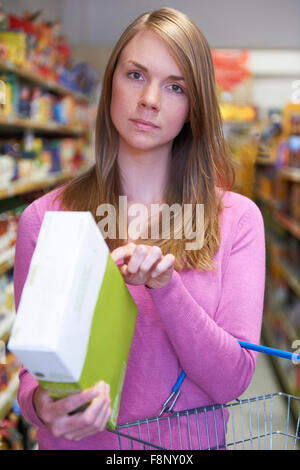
(76,316)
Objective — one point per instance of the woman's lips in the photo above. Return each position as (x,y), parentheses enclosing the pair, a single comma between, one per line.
(144,125)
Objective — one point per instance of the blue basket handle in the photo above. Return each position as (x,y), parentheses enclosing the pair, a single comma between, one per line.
(243,344)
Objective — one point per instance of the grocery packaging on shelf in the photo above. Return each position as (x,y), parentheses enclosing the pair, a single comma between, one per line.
(42,49)
(13,46)
(238,113)
(36,157)
(8,369)
(29,101)
(47,106)
(8,230)
(76,316)
(277,190)
(234,90)
(15,432)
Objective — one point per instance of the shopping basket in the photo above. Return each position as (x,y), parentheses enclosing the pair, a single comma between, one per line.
(249,424)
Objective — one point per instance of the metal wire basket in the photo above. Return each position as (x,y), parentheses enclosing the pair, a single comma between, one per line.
(248,424)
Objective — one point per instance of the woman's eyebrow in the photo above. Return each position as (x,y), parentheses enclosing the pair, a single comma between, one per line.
(142,67)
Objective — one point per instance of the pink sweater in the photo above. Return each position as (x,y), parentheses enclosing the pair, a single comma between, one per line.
(192,324)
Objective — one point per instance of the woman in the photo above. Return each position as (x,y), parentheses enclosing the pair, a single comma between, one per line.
(159,140)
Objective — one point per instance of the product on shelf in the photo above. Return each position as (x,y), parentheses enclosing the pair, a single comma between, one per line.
(15,432)
(9,94)
(8,370)
(233,84)
(36,157)
(277,191)
(10,436)
(21,100)
(6,295)
(291,119)
(233,112)
(294,151)
(8,230)
(14,46)
(243,148)
(41,48)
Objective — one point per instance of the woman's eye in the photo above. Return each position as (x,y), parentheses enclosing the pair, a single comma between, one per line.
(176,88)
(134,75)
(138,76)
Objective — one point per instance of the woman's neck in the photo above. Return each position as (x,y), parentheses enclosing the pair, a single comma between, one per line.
(144,176)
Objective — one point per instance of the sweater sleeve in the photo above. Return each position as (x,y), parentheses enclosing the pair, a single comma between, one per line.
(28,230)
(207,347)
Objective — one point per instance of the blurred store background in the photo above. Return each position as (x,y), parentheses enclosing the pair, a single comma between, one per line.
(52,58)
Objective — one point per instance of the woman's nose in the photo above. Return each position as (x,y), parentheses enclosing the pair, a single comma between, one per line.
(150,97)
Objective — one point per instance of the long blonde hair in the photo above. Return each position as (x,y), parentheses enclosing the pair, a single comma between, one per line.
(201,162)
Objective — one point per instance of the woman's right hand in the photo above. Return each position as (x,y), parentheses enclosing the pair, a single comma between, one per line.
(55,414)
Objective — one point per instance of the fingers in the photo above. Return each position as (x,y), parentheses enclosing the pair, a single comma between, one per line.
(62,407)
(137,257)
(166,263)
(95,417)
(90,421)
(98,426)
(134,255)
(123,251)
(143,259)
(141,263)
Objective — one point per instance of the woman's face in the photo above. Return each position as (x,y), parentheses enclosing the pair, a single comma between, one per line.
(148,86)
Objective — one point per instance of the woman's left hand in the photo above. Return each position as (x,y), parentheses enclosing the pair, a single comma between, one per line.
(144,264)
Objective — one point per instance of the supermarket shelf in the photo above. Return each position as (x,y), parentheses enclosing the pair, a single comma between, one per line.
(264,161)
(15,123)
(265,198)
(26,186)
(6,325)
(290,276)
(32,77)
(7,260)
(8,396)
(290,174)
(288,223)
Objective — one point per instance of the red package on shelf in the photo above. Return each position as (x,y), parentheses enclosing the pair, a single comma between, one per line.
(23,24)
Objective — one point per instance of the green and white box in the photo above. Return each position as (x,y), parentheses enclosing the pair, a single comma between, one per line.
(76,316)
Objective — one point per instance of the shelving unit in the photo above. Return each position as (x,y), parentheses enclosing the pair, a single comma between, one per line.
(288,223)
(6,327)
(15,126)
(8,66)
(280,328)
(28,186)
(12,123)
(8,396)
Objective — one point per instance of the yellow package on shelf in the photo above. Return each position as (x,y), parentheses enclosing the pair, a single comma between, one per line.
(16,45)
(6,97)
(76,316)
